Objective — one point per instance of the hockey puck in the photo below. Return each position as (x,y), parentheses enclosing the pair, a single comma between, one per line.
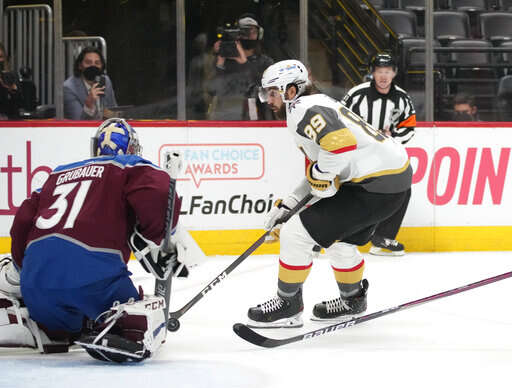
(173,324)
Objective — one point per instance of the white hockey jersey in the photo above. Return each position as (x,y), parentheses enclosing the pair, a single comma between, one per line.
(343,144)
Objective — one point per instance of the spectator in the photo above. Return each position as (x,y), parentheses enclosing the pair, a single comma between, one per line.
(84,96)
(388,108)
(238,73)
(464,108)
(11,99)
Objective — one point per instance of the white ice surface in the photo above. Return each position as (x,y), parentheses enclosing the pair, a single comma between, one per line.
(464,340)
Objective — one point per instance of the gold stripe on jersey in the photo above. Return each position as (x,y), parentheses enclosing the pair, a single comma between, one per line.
(382,173)
(339,141)
(293,274)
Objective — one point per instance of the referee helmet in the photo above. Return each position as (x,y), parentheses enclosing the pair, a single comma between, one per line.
(382,60)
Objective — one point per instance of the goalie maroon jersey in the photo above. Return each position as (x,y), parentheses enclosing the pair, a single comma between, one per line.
(82,217)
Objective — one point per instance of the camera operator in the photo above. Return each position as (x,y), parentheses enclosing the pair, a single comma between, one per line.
(11,99)
(239,66)
(89,93)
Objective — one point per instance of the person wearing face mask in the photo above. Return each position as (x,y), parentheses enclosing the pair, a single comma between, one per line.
(88,93)
(234,86)
(464,108)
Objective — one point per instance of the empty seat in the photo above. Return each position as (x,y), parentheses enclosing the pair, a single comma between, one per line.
(472,71)
(505,5)
(416,59)
(402,22)
(413,5)
(378,4)
(450,25)
(418,5)
(505,98)
(473,58)
(470,5)
(496,26)
(506,57)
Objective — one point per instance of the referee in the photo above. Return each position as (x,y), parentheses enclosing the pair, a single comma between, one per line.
(389,108)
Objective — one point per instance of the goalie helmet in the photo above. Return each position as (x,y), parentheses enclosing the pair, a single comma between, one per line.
(283,74)
(115,137)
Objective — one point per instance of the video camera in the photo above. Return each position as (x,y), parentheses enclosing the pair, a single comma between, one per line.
(228,35)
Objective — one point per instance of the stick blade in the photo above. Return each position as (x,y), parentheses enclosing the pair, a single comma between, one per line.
(254,338)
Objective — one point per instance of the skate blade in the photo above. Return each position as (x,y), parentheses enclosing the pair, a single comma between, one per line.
(341,319)
(385,252)
(292,322)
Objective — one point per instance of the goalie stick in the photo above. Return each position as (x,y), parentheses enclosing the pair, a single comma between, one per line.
(246,333)
(173,323)
(163,287)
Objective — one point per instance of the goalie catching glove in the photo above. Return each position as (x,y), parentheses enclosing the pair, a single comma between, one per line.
(278,211)
(323,184)
(154,260)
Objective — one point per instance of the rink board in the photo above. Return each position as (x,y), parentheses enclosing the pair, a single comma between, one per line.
(234,171)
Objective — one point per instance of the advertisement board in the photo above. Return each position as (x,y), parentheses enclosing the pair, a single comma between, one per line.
(233,172)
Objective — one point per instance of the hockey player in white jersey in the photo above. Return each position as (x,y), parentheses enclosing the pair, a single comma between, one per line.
(358,177)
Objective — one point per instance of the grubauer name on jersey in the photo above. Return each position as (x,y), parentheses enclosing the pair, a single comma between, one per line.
(343,144)
(84,213)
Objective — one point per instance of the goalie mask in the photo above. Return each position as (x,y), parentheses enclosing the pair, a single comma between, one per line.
(282,75)
(115,137)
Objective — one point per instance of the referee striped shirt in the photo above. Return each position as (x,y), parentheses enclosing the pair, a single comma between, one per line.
(393,111)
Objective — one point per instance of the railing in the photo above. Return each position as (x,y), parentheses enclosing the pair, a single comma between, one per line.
(28,35)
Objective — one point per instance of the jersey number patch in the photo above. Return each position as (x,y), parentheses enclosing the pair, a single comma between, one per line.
(315,126)
(61,205)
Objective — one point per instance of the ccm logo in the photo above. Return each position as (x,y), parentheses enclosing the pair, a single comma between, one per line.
(156,305)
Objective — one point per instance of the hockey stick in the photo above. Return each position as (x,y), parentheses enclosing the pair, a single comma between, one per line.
(244,332)
(163,287)
(174,324)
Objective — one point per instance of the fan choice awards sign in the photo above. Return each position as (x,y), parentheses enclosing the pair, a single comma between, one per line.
(234,171)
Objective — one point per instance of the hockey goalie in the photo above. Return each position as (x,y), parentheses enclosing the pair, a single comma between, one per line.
(68,279)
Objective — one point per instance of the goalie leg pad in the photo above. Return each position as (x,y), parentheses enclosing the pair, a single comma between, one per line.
(18,330)
(9,278)
(128,332)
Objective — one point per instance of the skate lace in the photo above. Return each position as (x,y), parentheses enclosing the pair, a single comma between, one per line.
(272,305)
(336,305)
(391,242)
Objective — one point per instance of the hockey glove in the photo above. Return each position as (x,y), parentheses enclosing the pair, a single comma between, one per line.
(173,163)
(280,208)
(323,185)
(149,255)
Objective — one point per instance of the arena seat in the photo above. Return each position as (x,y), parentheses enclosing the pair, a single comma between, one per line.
(471,72)
(470,5)
(496,26)
(402,22)
(505,98)
(505,5)
(450,25)
(416,59)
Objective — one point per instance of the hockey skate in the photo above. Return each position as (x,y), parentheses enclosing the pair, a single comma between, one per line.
(277,312)
(382,246)
(341,309)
